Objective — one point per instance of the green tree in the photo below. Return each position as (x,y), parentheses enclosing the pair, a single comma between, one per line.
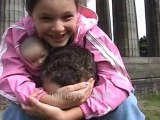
(143,46)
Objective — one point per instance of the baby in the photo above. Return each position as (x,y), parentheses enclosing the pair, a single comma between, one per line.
(66,66)
(61,66)
(34,50)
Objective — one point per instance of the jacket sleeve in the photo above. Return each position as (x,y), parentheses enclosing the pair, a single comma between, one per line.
(15,81)
(113,86)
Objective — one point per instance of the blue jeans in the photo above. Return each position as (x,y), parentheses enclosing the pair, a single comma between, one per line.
(15,112)
(128,110)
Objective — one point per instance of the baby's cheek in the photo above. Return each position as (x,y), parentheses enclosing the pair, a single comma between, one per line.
(50,88)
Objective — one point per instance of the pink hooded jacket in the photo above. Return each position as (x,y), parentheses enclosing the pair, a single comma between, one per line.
(113,86)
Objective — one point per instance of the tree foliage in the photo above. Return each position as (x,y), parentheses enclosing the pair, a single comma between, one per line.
(143,46)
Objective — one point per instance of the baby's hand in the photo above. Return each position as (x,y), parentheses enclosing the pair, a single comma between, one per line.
(73,95)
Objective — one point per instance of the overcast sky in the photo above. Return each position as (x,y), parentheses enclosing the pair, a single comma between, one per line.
(141,17)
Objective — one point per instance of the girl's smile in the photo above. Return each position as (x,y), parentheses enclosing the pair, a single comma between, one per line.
(57,41)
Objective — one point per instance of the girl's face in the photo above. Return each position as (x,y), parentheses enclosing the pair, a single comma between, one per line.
(55,20)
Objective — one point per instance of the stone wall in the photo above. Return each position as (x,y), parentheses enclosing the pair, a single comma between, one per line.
(142,67)
(145,74)
(147,87)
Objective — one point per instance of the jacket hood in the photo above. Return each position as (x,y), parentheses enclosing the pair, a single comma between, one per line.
(87,12)
(87,19)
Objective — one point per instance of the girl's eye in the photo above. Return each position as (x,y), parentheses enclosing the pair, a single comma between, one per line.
(68,17)
(46,18)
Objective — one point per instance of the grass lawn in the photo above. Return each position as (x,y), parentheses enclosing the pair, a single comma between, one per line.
(151,107)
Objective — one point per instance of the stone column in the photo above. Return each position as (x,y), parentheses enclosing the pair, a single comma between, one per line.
(125,27)
(152,10)
(10,12)
(2,16)
(103,11)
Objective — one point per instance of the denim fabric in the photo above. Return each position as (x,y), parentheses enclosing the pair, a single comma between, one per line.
(128,110)
(15,112)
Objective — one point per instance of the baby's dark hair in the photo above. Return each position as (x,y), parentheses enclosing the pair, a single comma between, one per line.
(30,4)
(69,65)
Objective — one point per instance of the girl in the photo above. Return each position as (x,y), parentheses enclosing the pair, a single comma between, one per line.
(60,23)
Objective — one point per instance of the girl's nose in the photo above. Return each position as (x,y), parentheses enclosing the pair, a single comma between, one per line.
(58,26)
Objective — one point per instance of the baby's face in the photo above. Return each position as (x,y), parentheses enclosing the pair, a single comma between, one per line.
(35,55)
(50,87)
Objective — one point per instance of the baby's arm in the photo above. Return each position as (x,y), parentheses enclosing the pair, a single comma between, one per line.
(50,112)
(55,113)
(69,96)
(16,90)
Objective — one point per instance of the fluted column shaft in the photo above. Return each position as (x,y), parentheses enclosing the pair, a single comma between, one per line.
(152,10)
(103,11)
(2,16)
(10,12)
(125,27)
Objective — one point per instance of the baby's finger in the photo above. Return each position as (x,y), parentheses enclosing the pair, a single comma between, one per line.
(83,93)
(37,92)
(34,102)
(90,80)
(86,92)
(89,91)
